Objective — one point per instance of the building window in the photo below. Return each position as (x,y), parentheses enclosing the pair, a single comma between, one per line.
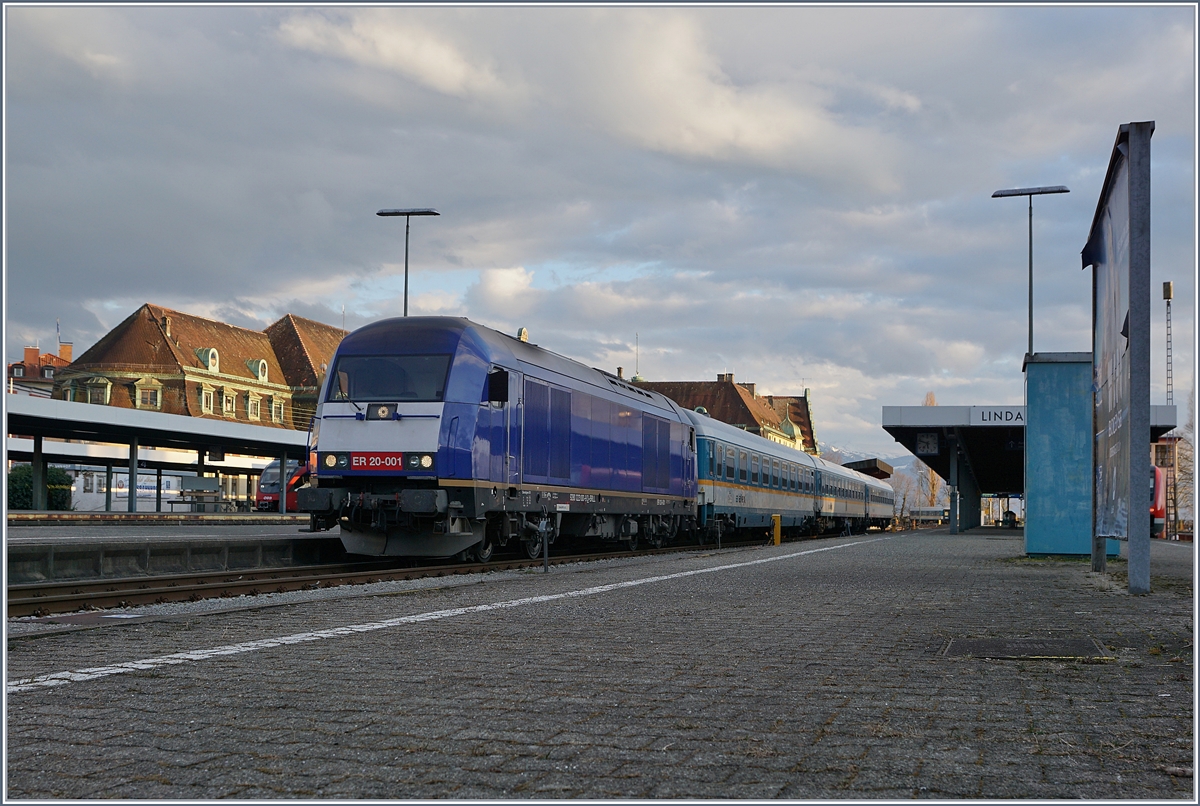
(97,391)
(252,406)
(206,401)
(47,372)
(277,411)
(147,394)
(228,404)
(18,371)
(210,359)
(258,366)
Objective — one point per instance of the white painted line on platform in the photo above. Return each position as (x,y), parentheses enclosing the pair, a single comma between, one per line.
(80,675)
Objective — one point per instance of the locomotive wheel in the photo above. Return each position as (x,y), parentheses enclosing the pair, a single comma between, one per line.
(633,543)
(533,548)
(484,549)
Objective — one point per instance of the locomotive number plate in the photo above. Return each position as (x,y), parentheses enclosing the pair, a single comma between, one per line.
(376,460)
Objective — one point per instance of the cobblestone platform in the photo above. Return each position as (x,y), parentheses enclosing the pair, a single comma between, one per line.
(748,673)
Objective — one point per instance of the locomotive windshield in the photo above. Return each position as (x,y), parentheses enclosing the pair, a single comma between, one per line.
(389,378)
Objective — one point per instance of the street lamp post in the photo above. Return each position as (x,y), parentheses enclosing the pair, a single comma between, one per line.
(1030,192)
(408,213)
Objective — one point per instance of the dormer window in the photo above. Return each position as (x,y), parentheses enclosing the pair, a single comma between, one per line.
(206,399)
(210,359)
(258,367)
(147,394)
(47,372)
(98,390)
(228,402)
(18,370)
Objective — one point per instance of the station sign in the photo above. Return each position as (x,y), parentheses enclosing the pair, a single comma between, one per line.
(998,415)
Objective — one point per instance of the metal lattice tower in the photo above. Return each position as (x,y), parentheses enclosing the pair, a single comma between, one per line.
(1170,376)
(1171,514)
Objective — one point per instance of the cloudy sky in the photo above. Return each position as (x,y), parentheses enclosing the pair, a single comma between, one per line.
(796,195)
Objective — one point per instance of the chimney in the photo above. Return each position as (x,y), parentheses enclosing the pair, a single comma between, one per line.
(749,387)
(64,350)
(725,378)
(621,373)
(32,358)
(166,326)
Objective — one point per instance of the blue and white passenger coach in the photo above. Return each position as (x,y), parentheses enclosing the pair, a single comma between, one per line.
(745,479)
(437,436)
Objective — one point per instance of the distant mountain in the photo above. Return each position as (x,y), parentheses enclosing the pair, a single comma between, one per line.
(832,453)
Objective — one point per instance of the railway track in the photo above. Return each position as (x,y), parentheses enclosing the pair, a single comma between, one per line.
(45,599)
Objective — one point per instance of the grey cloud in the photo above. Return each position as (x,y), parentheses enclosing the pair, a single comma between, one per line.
(800,194)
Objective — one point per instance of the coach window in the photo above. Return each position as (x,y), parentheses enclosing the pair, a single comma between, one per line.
(774,473)
(730,464)
(743,466)
(712,461)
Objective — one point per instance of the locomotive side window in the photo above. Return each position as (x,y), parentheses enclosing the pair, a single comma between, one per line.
(390,378)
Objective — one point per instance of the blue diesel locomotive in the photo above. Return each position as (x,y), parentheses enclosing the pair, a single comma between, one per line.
(438,437)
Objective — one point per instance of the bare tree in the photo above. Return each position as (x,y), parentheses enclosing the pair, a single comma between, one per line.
(1185,477)
(929,483)
(903,485)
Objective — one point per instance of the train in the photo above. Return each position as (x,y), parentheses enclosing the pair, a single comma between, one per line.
(266,499)
(440,437)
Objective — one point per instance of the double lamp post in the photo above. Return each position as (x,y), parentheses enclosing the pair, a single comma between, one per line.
(407,213)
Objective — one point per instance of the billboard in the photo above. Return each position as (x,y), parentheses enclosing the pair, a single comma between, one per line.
(1110,358)
(1118,250)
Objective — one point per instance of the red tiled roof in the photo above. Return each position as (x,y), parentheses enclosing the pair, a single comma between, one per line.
(726,401)
(304,347)
(137,341)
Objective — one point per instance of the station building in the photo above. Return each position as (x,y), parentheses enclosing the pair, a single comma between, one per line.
(168,361)
(782,419)
(34,374)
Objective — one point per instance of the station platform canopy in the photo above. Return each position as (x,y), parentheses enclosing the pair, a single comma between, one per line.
(60,419)
(989,440)
(872,467)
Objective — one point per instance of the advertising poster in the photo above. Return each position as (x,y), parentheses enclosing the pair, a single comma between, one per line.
(1111,369)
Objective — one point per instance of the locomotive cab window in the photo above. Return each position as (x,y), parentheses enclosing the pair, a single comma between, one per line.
(413,378)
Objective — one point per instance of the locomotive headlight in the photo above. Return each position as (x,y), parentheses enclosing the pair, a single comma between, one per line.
(426,461)
(412,461)
(330,460)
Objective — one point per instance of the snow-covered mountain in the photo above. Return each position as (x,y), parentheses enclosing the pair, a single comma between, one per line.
(832,453)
